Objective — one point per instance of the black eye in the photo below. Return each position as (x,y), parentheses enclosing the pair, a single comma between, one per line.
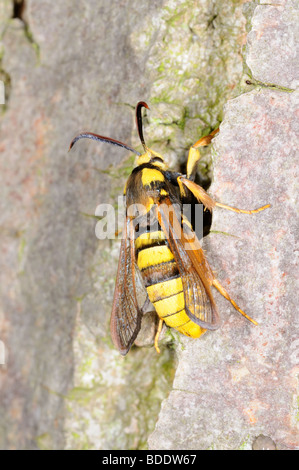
(157,159)
(137,228)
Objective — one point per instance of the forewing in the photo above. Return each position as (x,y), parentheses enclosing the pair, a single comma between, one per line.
(126,314)
(194,270)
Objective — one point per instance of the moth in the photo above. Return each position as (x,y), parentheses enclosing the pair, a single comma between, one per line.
(160,242)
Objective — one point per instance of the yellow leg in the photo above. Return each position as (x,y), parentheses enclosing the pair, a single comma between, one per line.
(157,335)
(209,202)
(205,140)
(242,211)
(226,295)
(194,154)
(199,193)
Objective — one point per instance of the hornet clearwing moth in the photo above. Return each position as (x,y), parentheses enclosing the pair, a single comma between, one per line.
(160,242)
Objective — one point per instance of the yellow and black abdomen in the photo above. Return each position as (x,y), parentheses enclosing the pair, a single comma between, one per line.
(163,283)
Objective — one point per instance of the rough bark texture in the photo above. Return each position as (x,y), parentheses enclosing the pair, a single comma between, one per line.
(75,65)
(242,381)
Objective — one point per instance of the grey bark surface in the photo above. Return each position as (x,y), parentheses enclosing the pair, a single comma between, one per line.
(242,381)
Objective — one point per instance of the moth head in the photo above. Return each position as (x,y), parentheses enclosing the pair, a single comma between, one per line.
(149,156)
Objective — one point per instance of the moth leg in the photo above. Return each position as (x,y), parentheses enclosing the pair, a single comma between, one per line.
(209,202)
(194,154)
(158,334)
(225,294)
(242,211)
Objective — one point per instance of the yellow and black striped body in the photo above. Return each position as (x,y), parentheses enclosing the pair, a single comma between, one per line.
(153,256)
(160,239)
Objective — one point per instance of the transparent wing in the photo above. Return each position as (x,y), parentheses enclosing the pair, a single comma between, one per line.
(126,314)
(194,270)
